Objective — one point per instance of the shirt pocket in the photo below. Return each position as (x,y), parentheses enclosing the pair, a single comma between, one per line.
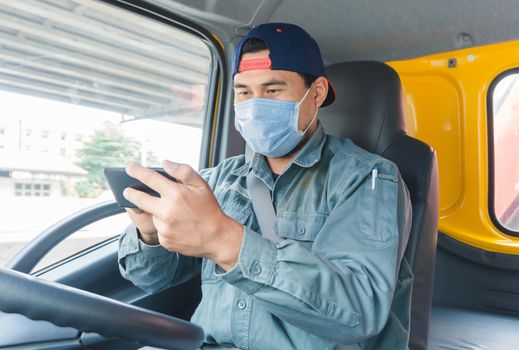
(301,227)
(379,207)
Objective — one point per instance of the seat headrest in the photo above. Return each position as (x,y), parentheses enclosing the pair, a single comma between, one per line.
(368,108)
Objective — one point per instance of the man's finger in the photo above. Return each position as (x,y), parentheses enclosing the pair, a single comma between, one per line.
(184,174)
(134,210)
(150,178)
(142,200)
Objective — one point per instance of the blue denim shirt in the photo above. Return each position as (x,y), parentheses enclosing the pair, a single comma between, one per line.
(334,278)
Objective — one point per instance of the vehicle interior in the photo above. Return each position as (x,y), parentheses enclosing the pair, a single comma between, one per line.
(430,85)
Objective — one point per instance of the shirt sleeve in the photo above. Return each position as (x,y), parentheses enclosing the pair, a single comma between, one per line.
(342,288)
(206,173)
(152,267)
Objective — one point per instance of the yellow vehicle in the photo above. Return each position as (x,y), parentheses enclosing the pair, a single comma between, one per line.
(87,84)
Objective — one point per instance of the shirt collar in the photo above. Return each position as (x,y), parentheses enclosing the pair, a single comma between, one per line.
(307,156)
(311,151)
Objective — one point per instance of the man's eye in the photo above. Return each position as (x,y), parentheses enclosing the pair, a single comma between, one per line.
(242,93)
(272,91)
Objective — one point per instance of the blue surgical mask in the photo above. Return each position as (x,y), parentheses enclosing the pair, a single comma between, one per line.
(270,127)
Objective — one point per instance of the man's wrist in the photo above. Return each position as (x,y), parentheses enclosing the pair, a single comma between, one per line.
(226,249)
(148,239)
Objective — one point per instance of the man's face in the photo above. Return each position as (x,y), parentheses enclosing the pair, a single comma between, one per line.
(280,85)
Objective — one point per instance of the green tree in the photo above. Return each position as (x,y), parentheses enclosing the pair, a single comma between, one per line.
(107,148)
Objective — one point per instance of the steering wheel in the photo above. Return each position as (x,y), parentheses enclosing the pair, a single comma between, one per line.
(89,312)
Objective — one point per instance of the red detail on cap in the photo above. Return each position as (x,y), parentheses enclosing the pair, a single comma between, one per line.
(279,30)
(333,87)
(255,63)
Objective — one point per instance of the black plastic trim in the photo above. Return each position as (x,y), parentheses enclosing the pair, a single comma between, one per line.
(480,256)
(75,256)
(490,138)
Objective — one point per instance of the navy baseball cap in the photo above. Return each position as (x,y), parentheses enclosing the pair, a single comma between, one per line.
(291,48)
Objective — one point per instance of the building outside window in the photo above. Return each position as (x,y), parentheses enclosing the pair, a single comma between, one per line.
(31,189)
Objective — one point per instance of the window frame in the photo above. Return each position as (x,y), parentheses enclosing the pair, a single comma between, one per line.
(212,132)
(491,151)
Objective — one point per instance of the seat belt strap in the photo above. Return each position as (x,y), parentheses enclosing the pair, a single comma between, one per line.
(261,202)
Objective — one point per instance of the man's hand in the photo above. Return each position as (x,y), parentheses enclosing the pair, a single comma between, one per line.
(187,216)
(144,223)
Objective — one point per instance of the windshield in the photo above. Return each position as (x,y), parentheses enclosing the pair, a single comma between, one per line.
(83,86)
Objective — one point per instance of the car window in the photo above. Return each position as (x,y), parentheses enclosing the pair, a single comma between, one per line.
(505,145)
(85,238)
(85,85)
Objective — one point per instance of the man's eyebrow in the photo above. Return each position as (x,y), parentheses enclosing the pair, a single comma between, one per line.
(265,84)
(239,86)
(274,82)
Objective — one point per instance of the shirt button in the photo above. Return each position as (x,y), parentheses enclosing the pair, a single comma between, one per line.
(302,231)
(255,268)
(242,304)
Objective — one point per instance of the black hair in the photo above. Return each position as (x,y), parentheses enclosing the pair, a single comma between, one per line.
(256,44)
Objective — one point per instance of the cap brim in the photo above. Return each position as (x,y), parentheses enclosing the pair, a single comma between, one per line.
(331,94)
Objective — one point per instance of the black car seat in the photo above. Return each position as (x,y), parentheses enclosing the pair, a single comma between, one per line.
(369,110)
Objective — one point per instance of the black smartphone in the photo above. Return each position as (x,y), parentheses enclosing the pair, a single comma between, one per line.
(118,180)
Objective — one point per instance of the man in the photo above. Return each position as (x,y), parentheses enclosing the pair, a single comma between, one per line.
(330,275)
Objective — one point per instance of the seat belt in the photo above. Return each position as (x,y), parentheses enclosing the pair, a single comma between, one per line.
(261,202)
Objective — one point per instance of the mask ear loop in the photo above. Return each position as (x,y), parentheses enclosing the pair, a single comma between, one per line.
(304,96)
(311,121)
(315,114)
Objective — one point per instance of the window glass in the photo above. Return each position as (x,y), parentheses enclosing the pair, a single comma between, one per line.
(505,120)
(32,189)
(84,238)
(85,85)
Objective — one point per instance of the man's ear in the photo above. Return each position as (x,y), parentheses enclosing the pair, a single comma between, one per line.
(321,89)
